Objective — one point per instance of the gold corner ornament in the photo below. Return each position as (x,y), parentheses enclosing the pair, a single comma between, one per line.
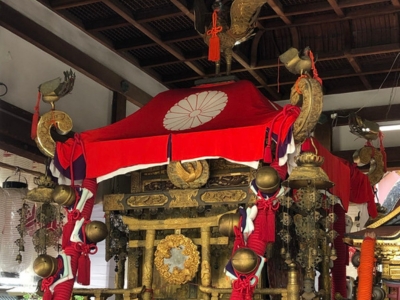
(307,92)
(62,123)
(177,259)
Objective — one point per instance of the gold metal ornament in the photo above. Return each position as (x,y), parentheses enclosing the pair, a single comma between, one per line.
(44,140)
(308,173)
(45,265)
(373,157)
(311,101)
(64,195)
(177,259)
(244,260)
(42,193)
(96,231)
(267,180)
(227,223)
(191,175)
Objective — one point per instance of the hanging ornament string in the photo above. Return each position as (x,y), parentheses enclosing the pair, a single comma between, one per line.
(35,117)
(214,52)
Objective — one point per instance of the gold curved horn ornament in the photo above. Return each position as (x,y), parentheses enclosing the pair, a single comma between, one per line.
(311,102)
(44,140)
(373,157)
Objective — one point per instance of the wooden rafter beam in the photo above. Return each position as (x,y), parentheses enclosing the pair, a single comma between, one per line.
(325,18)
(276,5)
(358,70)
(52,44)
(15,129)
(304,8)
(127,15)
(336,8)
(64,4)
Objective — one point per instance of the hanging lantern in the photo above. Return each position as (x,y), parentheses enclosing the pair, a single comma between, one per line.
(15,254)
(308,173)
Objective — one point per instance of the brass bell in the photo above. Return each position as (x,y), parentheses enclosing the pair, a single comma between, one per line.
(244,260)
(227,222)
(45,265)
(308,173)
(96,231)
(267,180)
(64,195)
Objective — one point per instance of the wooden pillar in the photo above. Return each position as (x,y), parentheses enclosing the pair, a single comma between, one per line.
(120,275)
(147,279)
(205,259)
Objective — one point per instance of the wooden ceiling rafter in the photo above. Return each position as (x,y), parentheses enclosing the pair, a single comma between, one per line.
(64,4)
(127,15)
(336,8)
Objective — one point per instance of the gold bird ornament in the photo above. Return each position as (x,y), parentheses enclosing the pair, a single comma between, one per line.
(296,64)
(54,89)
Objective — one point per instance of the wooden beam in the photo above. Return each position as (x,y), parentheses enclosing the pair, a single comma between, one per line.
(336,8)
(15,130)
(373,113)
(64,4)
(52,44)
(276,5)
(118,107)
(358,71)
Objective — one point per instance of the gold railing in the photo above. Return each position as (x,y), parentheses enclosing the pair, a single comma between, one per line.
(101,294)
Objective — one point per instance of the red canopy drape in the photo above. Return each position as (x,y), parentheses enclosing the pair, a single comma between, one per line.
(226,120)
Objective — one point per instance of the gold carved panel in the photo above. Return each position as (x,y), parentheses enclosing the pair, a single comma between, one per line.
(147,200)
(223,196)
(113,202)
(183,198)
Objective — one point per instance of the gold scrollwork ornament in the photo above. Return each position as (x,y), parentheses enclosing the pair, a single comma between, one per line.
(63,125)
(177,259)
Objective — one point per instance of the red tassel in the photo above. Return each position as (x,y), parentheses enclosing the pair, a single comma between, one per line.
(214,49)
(267,154)
(35,117)
(84,269)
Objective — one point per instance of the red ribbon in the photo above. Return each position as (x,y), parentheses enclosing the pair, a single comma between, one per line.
(214,43)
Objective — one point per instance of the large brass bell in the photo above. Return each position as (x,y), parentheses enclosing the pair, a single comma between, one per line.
(245,260)
(227,222)
(308,173)
(45,265)
(96,231)
(64,195)
(267,180)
